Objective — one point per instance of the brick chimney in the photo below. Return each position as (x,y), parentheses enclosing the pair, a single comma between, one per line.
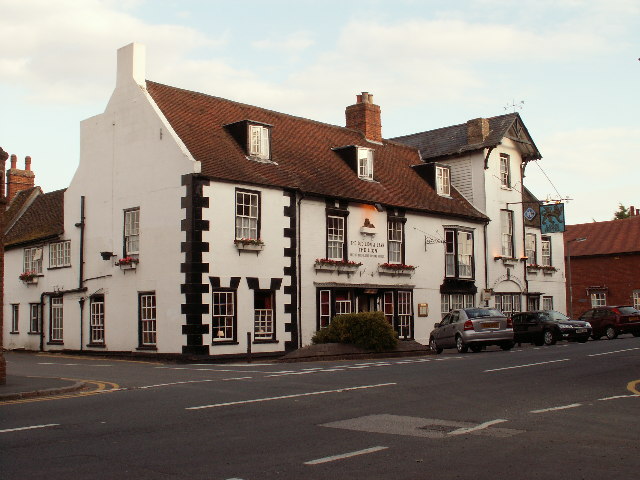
(364,116)
(18,180)
(3,162)
(477,130)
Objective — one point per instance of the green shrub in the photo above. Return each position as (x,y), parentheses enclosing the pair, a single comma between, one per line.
(367,330)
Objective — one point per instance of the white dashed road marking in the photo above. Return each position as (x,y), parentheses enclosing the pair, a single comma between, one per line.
(29,428)
(333,458)
(526,365)
(553,409)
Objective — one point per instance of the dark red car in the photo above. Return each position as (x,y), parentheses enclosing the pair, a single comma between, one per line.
(613,321)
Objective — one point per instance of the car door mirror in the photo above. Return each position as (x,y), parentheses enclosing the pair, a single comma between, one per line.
(436,325)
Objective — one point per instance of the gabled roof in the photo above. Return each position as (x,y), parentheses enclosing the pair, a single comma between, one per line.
(453,140)
(604,238)
(43,219)
(18,204)
(303,155)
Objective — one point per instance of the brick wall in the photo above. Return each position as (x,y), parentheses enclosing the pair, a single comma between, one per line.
(619,273)
(364,116)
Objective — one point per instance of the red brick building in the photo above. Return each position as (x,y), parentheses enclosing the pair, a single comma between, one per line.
(603,263)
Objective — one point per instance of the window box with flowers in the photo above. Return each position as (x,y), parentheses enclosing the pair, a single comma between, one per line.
(507,261)
(340,266)
(396,269)
(249,244)
(29,277)
(546,269)
(128,263)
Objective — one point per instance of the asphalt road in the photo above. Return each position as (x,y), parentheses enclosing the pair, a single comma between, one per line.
(569,411)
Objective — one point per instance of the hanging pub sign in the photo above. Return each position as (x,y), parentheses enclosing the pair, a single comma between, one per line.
(552,218)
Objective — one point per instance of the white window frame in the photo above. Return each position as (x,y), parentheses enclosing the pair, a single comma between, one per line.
(34,318)
(335,237)
(56,333)
(223,322)
(545,250)
(506,226)
(32,260)
(247,215)
(259,142)
(395,238)
(405,314)
(60,254)
(530,248)
(508,303)
(443,181)
(458,253)
(264,319)
(365,163)
(598,299)
(148,320)
(636,299)
(96,321)
(15,318)
(505,170)
(547,303)
(132,232)
(455,301)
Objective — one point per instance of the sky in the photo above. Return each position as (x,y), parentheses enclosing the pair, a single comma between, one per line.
(570,68)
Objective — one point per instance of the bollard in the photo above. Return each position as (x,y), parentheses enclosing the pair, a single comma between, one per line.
(248,347)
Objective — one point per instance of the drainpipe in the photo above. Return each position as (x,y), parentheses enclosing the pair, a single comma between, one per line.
(299,267)
(81,273)
(486,260)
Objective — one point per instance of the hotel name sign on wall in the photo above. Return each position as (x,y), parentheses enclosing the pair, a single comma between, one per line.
(367,249)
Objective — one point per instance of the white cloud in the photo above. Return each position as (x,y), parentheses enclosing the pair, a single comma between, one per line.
(293,43)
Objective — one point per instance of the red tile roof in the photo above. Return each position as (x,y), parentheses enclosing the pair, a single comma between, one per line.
(604,238)
(43,219)
(302,152)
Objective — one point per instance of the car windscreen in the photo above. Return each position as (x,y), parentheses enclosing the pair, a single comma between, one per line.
(483,312)
(554,316)
(628,311)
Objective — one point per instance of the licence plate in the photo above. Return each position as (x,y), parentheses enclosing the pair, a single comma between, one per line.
(581,330)
(490,324)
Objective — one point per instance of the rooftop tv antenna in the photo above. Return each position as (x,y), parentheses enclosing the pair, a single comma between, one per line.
(515,106)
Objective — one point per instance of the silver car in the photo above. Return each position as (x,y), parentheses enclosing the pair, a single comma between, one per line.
(472,328)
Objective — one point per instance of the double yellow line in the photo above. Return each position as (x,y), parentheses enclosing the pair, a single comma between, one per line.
(99,387)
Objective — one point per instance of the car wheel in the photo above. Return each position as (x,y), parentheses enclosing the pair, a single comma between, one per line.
(476,348)
(434,346)
(611,332)
(549,337)
(506,346)
(462,348)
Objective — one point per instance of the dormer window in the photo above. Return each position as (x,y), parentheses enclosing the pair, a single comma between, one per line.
(259,142)
(443,181)
(365,163)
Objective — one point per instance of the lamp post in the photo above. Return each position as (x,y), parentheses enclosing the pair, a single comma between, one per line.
(581,239)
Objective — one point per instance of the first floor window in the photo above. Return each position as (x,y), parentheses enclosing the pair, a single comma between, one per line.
(395,238)
(15,311)
(32,260)
(55,332)
(546,251)
(96,321)
(147,319)
(507,303)
(34,318)
(60,254)
(458,253)
(636,299)
(530,248)
(264,315)
(223,327)
(506,225)
(455,301)
(247,214)
(505,170)
(335,238)
(547,303)
(598,299)
(131,232)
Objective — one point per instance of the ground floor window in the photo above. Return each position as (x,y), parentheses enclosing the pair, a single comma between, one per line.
(598,299)
(533,303)
(264,315)
(56,316)
(507,303)
(147,319)
(223,326)
(34,318)
(397,306)
(547,303)
(15,316)
(455,301)
(96,321)
(636,299)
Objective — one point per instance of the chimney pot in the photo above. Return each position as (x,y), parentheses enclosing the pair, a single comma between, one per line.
(14,161)
(27,163)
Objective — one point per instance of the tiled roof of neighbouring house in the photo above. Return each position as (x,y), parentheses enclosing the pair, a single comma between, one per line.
(453,140)
(604,238)
(302,154)
(43,218)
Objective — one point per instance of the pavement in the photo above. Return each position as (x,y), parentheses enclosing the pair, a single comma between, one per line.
(19,387)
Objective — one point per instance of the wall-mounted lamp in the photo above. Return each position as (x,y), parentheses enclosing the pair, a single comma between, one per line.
(378,207)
